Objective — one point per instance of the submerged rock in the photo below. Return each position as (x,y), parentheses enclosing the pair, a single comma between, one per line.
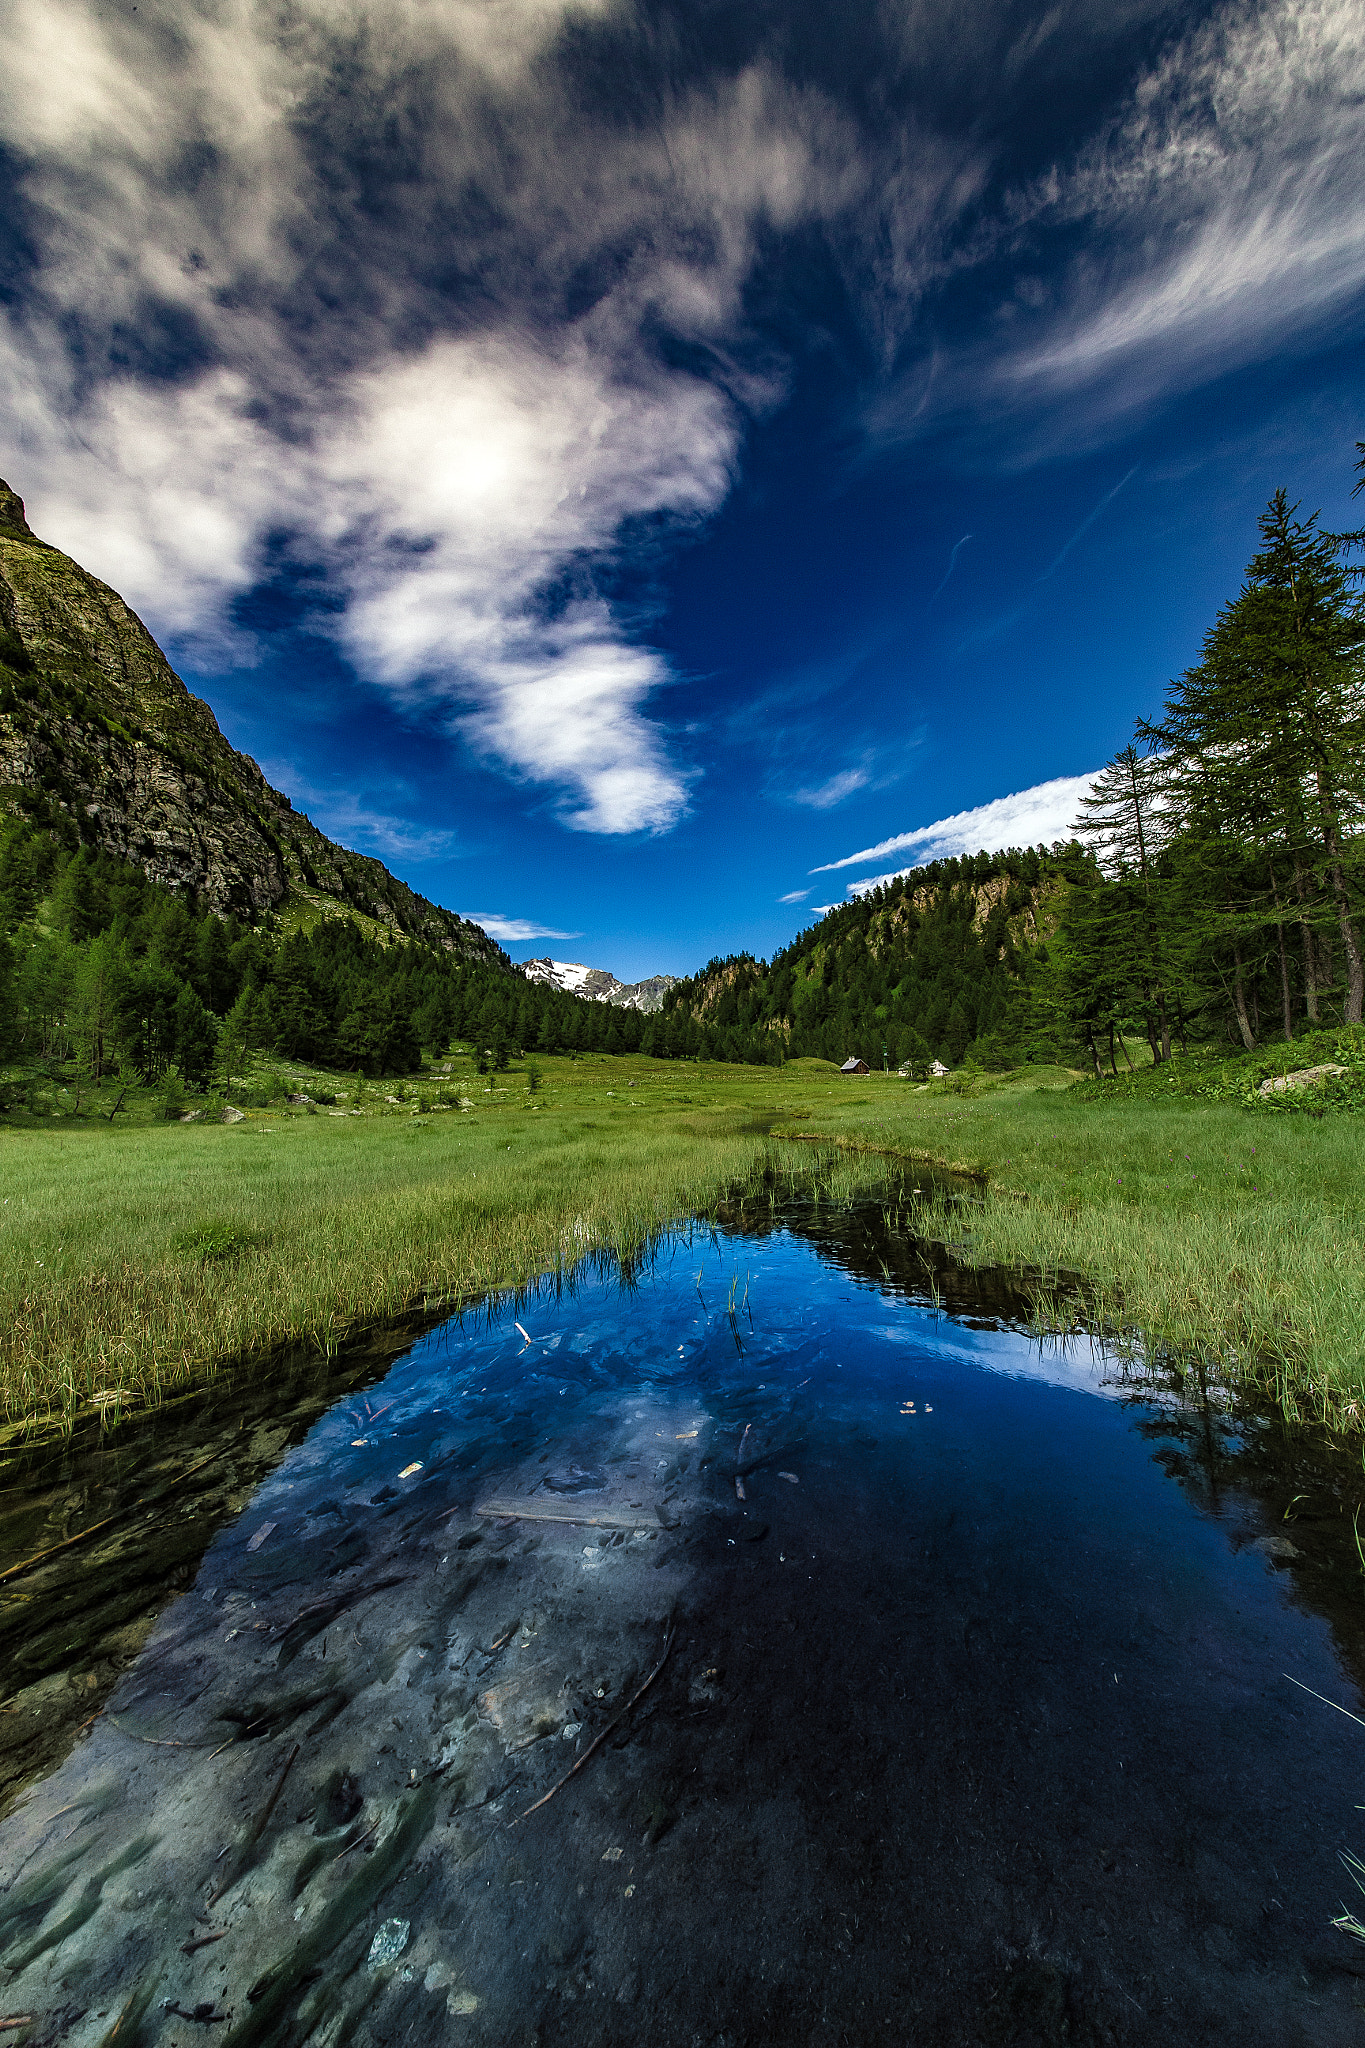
(388,1943)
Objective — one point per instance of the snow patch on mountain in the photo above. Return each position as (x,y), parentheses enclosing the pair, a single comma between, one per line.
(599,986)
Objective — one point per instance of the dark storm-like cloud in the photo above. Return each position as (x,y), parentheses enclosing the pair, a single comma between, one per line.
(468,296)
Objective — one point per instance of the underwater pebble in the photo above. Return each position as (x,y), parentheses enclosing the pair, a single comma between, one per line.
(388,1944)
(461,2003)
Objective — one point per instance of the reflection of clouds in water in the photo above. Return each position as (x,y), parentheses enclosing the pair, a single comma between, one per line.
(1082,1366)
(921,1598)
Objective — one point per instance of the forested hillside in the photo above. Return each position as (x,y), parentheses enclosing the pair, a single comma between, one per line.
(1215,892)
(102,966)
(947,962)
(102,744)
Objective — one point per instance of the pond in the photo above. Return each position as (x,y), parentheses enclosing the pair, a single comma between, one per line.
(771,1644)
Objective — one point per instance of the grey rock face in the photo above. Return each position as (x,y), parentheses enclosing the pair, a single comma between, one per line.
(96,725)
(600,986)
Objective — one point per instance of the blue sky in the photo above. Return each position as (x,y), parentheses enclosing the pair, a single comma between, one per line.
(646,470)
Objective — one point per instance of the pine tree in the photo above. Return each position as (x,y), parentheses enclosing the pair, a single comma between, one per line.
(1126,818)
(1267,736)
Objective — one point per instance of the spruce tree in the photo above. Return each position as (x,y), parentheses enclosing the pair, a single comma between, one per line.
(1126,819)
(1267,737)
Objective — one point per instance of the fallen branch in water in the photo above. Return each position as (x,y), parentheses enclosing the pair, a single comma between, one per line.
(27,1563)
(595,1745)
(358,1840)
(740,1494)
(241,1861)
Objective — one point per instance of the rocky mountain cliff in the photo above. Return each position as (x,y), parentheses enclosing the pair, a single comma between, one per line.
(599,986)
(98,733)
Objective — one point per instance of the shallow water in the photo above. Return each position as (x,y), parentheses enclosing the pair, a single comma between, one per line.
(976,1719)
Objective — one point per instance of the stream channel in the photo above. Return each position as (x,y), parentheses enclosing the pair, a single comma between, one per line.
(928,1685)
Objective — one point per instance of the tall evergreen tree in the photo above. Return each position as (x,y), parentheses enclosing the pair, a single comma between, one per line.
(1126,818)
(1267,733)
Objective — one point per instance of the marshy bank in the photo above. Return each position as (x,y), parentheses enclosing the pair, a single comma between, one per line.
(137,1262)
(967,1708)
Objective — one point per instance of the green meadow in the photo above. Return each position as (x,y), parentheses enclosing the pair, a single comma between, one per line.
(139,1254)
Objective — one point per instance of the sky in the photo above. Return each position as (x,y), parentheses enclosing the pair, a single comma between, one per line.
(646,471)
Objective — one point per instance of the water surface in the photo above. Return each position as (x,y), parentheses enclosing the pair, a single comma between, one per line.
(970,1714)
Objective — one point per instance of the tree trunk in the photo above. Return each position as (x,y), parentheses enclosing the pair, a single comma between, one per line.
(1310,965)
(1094,1054)
(1240,1002)
(1284,961)
(1284,987)
(1355,972)
(1112,1061)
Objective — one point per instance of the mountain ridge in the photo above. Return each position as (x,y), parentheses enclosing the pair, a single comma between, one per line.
(101,738)
(948,961)
(599,985)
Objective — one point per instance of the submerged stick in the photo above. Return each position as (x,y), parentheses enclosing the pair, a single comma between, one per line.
(740,1494)
(595,1745)
(358,1840)
(241,1861)
(27,1563)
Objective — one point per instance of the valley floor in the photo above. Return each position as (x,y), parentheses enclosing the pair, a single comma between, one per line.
(138,1254)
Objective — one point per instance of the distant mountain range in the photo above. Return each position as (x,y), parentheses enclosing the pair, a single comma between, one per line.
(598,986)
(101,742)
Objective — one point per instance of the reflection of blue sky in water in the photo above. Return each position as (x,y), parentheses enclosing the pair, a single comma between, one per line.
(965,1666)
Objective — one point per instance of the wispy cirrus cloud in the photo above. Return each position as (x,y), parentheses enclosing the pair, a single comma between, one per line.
(511,931)
(823,796)
(1224,209)
(1028,817)
(343,815)
(794,896)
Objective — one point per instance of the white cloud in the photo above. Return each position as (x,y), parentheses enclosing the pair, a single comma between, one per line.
(472,475)
(1030,817)
(825,795)
(1232,193)
(794,896)
(510,931)
(342,815)
(465,469)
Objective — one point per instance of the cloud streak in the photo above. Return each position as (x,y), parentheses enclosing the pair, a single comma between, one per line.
(1085,526)
(1230,197)
(399,292)
(952,564)
(1028,817)
(511,931)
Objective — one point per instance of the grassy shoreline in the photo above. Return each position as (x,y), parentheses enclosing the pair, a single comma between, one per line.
(137,1257)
